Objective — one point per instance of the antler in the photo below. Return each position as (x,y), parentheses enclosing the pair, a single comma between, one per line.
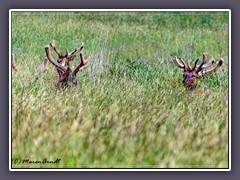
(53,45)
(189,65)
(83,65)
(200,67)
(208,64)
(13,63)
(213,69)
(184,64)
(75,51)
(177,63)
(195,65)
(49,57)
(204,65)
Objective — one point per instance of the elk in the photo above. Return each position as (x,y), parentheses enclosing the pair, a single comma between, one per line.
(63,68)
(13,63)
(190,75)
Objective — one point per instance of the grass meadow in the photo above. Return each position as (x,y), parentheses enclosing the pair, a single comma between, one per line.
(129,109)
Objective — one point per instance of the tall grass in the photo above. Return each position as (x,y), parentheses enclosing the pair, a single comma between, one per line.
(130,109)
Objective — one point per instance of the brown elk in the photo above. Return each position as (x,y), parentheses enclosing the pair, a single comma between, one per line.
(190,75)
(65,72)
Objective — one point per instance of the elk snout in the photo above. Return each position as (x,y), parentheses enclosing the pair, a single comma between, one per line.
(185,79)
(190,80)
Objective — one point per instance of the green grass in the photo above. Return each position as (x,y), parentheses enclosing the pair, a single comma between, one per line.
(130,108)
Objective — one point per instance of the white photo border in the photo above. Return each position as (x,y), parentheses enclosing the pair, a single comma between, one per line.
(119,169)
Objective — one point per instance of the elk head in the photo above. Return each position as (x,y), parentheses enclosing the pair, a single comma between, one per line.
(65,72)
(191,74)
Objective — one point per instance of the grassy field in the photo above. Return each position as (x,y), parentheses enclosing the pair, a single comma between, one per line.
(130,109)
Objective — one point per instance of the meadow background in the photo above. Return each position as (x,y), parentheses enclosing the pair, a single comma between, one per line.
(130,109)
